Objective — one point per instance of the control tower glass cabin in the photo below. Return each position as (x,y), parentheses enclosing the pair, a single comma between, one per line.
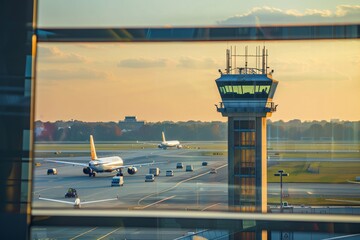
(247,95)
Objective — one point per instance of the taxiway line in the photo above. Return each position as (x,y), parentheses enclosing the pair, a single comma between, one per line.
(84,233)
(210,206)
(162,200)
(176,185)
(108,234)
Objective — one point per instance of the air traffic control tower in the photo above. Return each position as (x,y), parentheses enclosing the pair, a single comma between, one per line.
(247,95)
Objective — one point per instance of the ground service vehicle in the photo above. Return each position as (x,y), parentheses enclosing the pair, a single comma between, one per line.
(286,205)
(71,193)
(179,165)
(117,181)
(149,178)
(52,171)
(154,171)
(169,173)
(189,168)
(204,163)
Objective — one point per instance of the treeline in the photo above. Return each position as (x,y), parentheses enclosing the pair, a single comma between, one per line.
(110,131)
(314,130)
(193,131)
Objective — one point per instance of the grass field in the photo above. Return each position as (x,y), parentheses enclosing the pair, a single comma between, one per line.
(315,201)
(316,172)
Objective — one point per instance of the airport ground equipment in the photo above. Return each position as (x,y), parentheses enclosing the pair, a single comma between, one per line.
(169,173)
(189,168)
(179,165)
(71,193)
(154,171)
(117,181)
(149,178)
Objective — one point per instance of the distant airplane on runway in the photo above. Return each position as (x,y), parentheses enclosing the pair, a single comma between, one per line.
(165,144)
(105,164)
(77,203)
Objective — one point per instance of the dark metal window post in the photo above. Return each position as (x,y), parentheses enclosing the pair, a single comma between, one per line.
(281,173)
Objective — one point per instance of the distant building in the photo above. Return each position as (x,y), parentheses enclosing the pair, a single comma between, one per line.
(130,123)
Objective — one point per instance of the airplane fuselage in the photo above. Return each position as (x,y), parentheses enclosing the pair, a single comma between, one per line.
(106,164)
(167,144)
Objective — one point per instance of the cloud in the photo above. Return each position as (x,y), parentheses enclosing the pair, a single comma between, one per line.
(183,62)
(189,62)
(270,15)
(55,55)
(348,10)
(67,74)
(143,63)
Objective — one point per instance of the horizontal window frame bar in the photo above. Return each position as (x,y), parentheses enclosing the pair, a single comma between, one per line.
(190,219)
(220,33)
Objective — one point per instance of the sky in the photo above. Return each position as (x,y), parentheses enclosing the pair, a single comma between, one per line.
(318,80)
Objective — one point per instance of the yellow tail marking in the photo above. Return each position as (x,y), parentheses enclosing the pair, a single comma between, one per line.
(92,148)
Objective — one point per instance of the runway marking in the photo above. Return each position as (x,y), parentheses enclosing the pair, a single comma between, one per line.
(84,233)
(108,234)
(342,237)
(37,191)
(210,206)
(162,200)
(176,185)
(46,189)
(339,200)
(353,182)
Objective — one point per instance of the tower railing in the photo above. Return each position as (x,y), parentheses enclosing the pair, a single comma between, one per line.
(249,106)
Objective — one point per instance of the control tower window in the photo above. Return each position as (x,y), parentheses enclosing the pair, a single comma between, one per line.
(236,90)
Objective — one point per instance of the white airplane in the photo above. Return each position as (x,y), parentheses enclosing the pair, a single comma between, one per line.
(105,164)
(165,144)
(77,203)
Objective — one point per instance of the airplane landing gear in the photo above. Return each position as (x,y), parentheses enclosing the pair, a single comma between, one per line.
(119,173)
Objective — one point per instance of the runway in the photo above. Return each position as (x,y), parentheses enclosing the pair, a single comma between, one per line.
(185,191)
(197,190)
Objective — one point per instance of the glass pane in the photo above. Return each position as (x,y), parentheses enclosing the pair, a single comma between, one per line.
(126,94)
(163,13)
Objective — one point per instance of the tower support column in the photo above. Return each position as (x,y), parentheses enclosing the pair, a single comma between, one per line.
(247,165)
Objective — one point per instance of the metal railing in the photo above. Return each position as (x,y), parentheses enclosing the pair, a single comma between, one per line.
(251,106)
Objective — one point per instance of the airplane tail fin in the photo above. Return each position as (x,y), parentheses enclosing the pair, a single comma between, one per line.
(92,148)
(163,136)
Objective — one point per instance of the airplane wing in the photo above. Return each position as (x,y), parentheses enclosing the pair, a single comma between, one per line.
(70,163)
(103,200)
(55,200)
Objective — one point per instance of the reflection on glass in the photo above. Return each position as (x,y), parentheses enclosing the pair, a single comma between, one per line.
(162,13)
(86,89)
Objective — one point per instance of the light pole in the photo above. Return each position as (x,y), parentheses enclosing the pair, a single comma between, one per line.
(280,174)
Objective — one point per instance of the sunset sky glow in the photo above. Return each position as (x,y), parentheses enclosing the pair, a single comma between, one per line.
(318,80)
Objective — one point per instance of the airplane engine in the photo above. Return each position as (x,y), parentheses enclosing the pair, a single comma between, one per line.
(86,170)
(159,146)
(132,170)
